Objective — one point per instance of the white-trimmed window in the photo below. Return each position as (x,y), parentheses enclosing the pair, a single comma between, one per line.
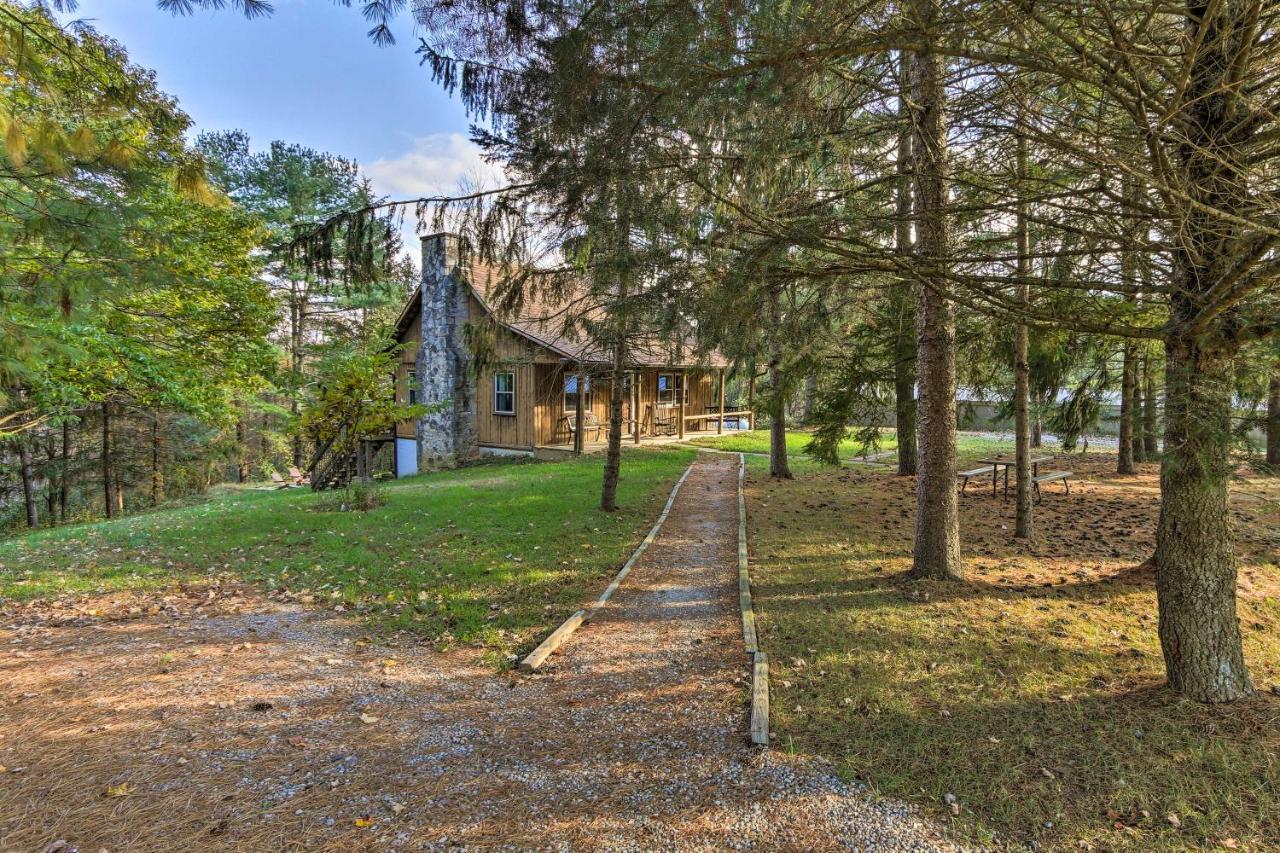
(670,388)
(504,393)
(412,395)
(571,394)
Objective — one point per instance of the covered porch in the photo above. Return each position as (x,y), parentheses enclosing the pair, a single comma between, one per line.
(660,406)
(598,445)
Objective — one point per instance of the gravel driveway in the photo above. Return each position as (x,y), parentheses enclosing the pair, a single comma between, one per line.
(237,724)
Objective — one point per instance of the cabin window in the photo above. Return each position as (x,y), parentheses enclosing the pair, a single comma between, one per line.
(504,393)
(670,388)
(413,388)
(571,394)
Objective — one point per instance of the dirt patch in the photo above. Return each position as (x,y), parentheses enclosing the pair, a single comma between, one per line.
(232,721)
(1103,530)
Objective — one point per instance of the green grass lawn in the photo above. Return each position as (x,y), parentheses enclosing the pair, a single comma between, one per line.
(757,441)
(1033,692)
(969,446)
(495,553)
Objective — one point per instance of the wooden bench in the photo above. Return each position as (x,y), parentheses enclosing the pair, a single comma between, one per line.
(965,476)
(1064,476)
(590,424)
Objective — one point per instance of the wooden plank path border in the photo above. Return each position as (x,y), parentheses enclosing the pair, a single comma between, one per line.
(744,579)
(539,656)
(759,660)
(760,699)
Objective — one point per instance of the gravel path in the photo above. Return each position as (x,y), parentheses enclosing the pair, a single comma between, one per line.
(274,728)
(652,700)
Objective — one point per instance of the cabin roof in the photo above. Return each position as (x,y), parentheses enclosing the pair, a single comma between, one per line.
(540,320)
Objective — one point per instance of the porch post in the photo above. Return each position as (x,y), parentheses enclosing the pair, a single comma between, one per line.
(577,413)
(720,421)
(751,400)
(635,406)
(684,387)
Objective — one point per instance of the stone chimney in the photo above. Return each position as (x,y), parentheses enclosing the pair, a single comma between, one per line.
(446,437)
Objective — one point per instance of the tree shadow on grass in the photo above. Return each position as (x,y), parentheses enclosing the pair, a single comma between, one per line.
(870,588)
(1038,738)
(1031,690)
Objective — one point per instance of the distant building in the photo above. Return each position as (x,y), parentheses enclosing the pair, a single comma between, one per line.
(529,400)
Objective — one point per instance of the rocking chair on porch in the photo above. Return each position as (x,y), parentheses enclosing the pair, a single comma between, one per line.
(663,420)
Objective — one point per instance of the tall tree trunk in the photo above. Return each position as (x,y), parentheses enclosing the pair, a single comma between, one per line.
(117,481)
(51,476)
(1130,275)
(904,303)
(618,371)
(28,482)
(1150,405)
(157,475)
(1024,526)
(777,400)
(1273,418)
(613,453)
(1037,429)
(1195,550)
(242,450)
(580,384)
(1139,406)
(296,339)
(64,478)
(264,441)
(778,465)
(904,394)
(108,490)
(1124,464)
(937,535)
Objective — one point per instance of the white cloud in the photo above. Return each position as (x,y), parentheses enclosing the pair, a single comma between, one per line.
(439,164)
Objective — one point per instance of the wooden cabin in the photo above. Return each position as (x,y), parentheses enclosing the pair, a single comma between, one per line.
(539,382)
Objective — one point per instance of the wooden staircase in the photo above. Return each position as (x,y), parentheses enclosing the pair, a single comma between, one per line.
(332,470)
(335,473)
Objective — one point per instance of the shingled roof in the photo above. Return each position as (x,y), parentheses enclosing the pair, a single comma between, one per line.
(541,320)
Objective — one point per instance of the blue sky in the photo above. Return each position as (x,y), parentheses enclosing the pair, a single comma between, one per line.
(306,74)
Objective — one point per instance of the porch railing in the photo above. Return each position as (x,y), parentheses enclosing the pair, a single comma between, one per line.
(719,417)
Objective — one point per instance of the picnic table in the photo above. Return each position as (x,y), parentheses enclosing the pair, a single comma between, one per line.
(1007,461)
(714,409)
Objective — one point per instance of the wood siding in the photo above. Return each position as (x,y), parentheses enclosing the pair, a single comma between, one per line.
(551,425)
(516,355)
(408,364)
(501,430)
(539,390)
